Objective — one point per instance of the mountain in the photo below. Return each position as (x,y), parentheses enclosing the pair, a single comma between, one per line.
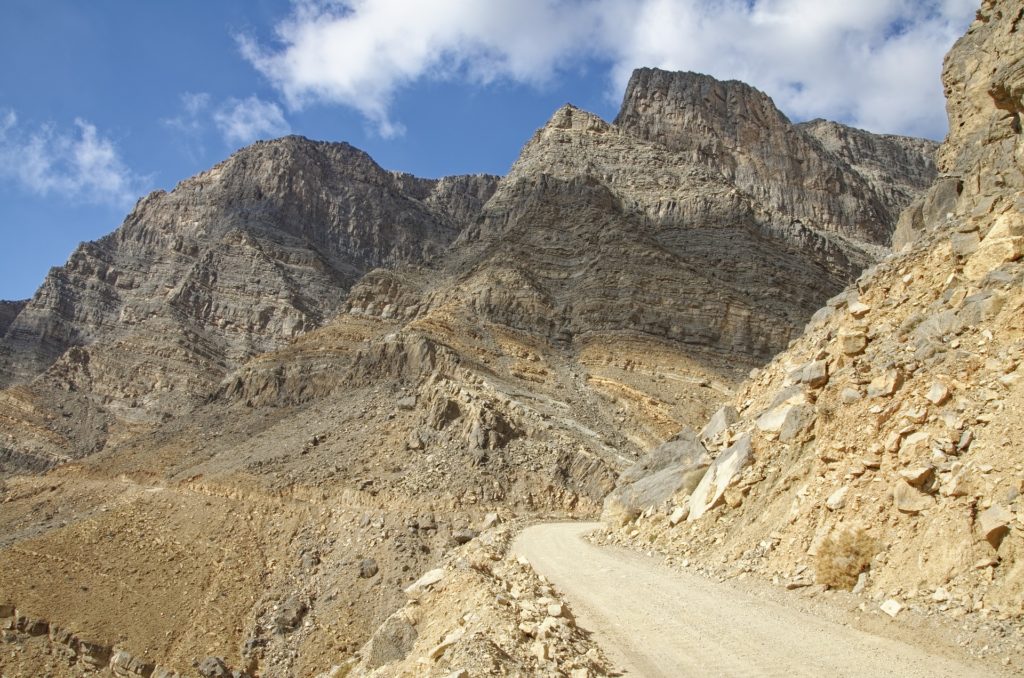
(879,452)
(278,393)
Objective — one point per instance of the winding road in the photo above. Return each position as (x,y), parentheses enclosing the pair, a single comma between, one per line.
(652,621)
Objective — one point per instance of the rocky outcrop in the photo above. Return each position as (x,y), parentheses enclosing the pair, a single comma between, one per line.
(735,130)
(255,251)
(9,310)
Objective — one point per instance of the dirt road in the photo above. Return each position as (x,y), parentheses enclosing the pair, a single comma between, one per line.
(653,621)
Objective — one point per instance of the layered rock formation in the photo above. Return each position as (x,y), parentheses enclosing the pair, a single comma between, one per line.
(325,375)
(241,258)
(882,447)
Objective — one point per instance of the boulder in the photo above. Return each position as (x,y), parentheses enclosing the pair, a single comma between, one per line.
(213,667)
(679,514)
(786,421)
(837,499)
(93,654)
(711,489)
(938,394)
(126,665)
(814,374)
(449,640)
(464,536)
(885,384)
(490,520)
(391,642)
(908,499)
(859,310)
(672,468)
(1002,244)
(289,614)
(852,341)
(994,523)
(719,422)
(891,607)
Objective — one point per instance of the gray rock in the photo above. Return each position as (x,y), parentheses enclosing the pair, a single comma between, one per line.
(721,420)
(213,667)
(289,614)
(675,467)
(464,536)
(711,489)
(367,568)
(391,642)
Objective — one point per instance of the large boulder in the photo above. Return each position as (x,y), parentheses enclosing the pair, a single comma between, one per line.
(674,467)
(711,489)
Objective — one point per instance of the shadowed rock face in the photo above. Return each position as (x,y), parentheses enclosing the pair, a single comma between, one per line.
(243,257)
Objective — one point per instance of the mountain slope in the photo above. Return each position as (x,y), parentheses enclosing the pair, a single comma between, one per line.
(881,451)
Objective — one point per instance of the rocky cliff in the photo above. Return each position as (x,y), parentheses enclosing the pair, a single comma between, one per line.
(880,453)
(241,258)
(301,380)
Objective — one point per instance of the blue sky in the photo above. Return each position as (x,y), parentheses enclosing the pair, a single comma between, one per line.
(103,101)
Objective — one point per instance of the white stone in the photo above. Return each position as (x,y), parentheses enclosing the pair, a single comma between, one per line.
(428,579)
(891,607)
(837,499)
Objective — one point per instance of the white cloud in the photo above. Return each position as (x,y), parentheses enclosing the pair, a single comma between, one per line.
(873,63)
(242,121)
(77,164)
(193,107)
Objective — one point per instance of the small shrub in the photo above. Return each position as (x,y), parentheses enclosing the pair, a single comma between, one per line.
(843,556)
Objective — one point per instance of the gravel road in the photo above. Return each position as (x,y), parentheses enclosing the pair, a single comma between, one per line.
(653,621)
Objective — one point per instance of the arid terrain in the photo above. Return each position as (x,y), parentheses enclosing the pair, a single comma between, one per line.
(289,418)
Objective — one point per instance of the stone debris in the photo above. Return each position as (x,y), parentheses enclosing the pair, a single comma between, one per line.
(891,607)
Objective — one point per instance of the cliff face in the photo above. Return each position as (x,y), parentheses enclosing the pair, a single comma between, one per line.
(788,172)
(878,453)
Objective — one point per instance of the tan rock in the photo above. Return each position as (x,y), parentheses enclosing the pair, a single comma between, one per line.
(837,500)
(918,476)
(1004,243)
(938,394)
(679,514)
(885,384)
(859,310)
(852,342)
(915,445)
(994,523)
(428,579)
(449,640)
(908,499)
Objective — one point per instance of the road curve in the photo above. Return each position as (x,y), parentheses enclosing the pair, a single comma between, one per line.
(652,621)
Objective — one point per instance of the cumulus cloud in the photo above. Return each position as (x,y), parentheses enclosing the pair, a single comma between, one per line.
(239,121)
(77,164)
(871,63)
(242,121)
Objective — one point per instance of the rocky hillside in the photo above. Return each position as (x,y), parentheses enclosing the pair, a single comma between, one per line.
(241,258)
(300,381)
(880,453)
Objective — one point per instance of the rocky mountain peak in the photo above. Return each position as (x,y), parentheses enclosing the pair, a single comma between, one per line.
(736,130)
(656,100)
